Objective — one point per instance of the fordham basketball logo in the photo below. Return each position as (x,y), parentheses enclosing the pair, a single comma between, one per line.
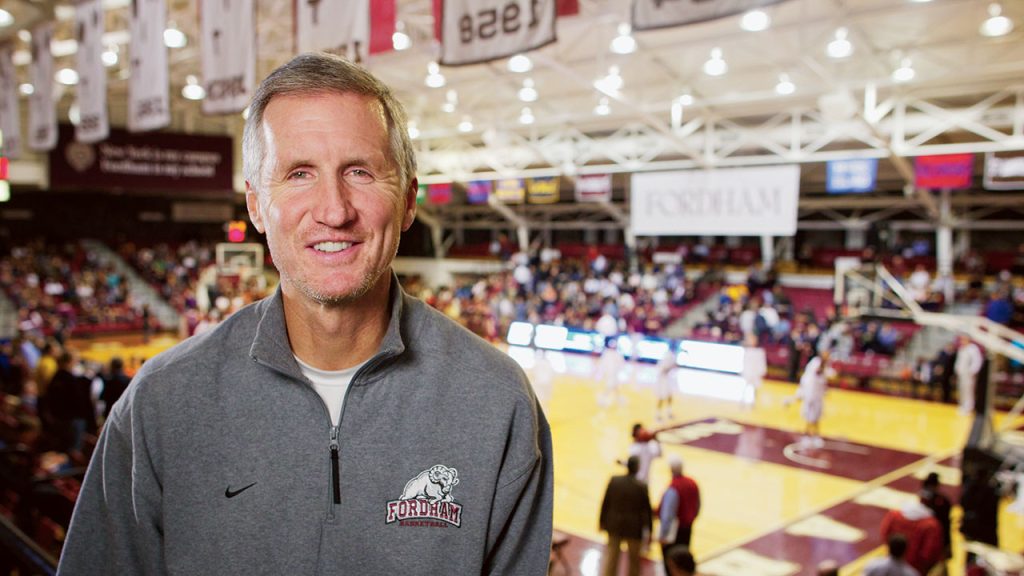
(427,500)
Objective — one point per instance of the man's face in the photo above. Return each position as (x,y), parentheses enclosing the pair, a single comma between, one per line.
(329,199)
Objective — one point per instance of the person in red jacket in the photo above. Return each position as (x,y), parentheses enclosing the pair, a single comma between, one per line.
(679,507)
(922,531)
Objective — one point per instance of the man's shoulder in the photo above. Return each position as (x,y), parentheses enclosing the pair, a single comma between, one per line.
(438,338)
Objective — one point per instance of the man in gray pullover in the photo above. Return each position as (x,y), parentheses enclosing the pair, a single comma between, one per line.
(339,426)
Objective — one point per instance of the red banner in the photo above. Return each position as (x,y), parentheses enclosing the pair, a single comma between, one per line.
(954,171)
(439,193)
(382,25)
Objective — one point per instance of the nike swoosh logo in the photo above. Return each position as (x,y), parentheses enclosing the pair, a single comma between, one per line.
(232,493)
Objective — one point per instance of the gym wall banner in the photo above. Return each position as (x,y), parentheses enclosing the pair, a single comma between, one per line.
(852,176)
(228,49)
(594,188)
(1004,170)
(478,191)
(510,190)
(474,31)
(353,29)
(648,14)
(542,190)
(149,98)
(93,123)
(10,115)
(42,108)
(952,171)
(158,161)
(732,201)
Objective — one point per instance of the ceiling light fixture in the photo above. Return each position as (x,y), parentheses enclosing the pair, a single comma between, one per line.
(526,116)
(528,93)
(451,101)
(74,114)
(715,65)
(785,85)
(840,47)
(520,63)
(400,40)
(67,76)
(624,43)
(434,77)
(414,132)
(686,99)
(466,125)
(192,90)
(25,36)
(755,20)
(109,56)
(26,89)
(602,108)
(611,83)
(5,18)
(996,24)
(905,73)
(174,38)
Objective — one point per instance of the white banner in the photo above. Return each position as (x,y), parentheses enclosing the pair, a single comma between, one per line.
(733,201)
(664,13)
(42,110)
(10,117)
(594,188)
(149,105)
(93,124)
(480,30)
(336,26)
(228,29)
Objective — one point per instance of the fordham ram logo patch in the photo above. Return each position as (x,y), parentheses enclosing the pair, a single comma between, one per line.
(427,500)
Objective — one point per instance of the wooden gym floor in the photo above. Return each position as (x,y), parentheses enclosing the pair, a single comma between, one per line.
(770,506)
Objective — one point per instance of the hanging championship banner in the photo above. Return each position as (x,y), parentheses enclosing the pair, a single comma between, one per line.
(10,117)
(42,110)
(336,26)
(542,190)
(510,190)
(478,191)
(474,31)
(953,171)
(649,14)
(149,105)
(1004,171)
(731,201)
(439,193)
(228,29)
(853,176)
(93,124)
(594,188)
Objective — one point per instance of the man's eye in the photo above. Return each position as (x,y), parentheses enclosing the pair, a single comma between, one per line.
(359,175)
(299,175)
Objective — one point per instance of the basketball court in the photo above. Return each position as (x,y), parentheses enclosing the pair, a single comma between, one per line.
(770,506)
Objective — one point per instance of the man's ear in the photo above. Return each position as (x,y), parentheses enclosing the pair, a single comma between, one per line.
(410,204)
(252,204)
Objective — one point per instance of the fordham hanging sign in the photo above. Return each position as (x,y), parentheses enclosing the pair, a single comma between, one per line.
(734,201)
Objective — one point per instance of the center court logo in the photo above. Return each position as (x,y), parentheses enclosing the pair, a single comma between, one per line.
(427,500)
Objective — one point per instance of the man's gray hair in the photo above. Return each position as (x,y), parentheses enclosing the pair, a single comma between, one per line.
(675,464)
(313,73)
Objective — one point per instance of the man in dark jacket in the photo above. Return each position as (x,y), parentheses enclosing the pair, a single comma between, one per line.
(114,385)
(626,516)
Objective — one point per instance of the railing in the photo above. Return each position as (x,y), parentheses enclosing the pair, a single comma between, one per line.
(22,553)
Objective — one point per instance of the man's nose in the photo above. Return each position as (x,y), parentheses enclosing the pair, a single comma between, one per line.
(333,204)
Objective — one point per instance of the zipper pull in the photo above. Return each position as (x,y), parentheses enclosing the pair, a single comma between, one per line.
(335,466)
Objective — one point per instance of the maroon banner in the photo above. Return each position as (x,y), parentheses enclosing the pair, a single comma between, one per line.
(153,161)
(953,171)
(383,14)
